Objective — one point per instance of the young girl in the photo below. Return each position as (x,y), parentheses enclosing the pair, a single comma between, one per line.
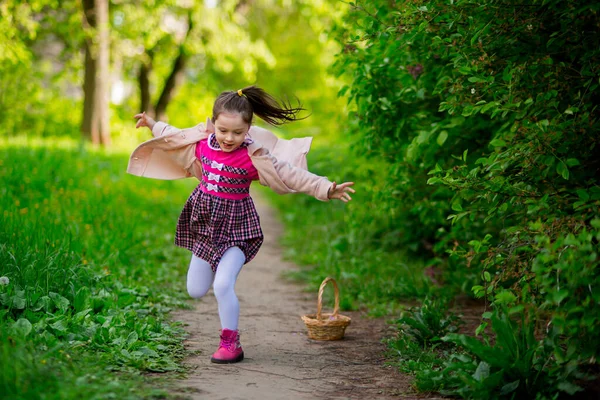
(219,223)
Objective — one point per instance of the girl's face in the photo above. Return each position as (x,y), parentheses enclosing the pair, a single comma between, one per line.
(230,131)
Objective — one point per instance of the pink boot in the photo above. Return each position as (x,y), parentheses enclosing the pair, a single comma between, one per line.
(230,349)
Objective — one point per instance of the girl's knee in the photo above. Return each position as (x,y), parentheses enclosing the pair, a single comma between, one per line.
(197,292)
(222,289)
(199,277)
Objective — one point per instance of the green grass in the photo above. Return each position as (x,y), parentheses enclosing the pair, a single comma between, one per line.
(345,241)
(92,273)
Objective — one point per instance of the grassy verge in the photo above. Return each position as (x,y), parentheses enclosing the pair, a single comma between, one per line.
(89,274)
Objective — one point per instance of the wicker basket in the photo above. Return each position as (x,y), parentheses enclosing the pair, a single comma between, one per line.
(327,326)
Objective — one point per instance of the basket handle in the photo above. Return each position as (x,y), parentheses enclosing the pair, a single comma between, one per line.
(336,308)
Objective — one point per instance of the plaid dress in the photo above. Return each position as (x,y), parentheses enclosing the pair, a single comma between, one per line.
(220,213)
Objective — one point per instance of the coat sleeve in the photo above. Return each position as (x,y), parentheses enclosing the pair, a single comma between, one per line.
(296,179)
(170,155)
(161,129)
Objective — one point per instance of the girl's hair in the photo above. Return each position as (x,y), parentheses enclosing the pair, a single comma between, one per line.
(254,100)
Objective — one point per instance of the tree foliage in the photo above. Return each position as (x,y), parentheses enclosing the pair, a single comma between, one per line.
(167,57)
(487,113)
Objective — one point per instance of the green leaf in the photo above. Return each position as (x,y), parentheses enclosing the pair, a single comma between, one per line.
(559,295)
(482,372)
(82,299)
(60,325)
(478,33)
(509,387)
(22,327)
(505,297)
(441,139)
(457,217)
(569,388)
(19,300)
(467,111)
(478,291)
(483,161)
(80,316)
(498,143)
(492,356)
(60,302)
(456,206)
(507,74)
(437,169)
(43,302)
(476,245)
(516,309)
(148,352)
(4,299)
(434,180)
(562,170)
(132,338)
(481,328)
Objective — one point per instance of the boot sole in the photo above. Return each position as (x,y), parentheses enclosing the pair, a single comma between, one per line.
(237,359)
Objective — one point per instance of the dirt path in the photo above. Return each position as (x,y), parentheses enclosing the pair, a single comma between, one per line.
(281,362)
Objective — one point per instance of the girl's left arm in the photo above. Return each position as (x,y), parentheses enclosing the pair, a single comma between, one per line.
(301,180)
(341,191)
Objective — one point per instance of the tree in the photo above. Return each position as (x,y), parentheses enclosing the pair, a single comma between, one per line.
(95,122)
(175,76)
(172,38)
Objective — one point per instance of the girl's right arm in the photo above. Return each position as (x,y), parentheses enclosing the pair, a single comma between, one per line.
(144,120)
(158,128)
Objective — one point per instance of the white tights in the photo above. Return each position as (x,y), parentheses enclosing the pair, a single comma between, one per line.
(200,277)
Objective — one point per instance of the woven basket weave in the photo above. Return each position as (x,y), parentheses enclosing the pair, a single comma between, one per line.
(327,326)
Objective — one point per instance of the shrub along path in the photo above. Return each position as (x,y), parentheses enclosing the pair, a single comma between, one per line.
(281,362)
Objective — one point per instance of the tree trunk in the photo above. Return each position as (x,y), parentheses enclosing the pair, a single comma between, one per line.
(89,82)
(144,82)
(95,121)
(170,85)
(103,71)
(175,77)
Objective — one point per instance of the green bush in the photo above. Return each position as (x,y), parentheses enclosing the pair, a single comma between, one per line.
(487,113)
(567,276)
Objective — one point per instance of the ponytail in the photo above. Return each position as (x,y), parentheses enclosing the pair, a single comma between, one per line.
(254,100)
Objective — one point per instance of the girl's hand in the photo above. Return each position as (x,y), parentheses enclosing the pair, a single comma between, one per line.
(341,191)
(144,120)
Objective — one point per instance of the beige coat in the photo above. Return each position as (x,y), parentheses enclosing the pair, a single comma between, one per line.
(281,164)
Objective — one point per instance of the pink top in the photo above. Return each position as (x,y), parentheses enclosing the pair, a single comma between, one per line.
(226,175)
